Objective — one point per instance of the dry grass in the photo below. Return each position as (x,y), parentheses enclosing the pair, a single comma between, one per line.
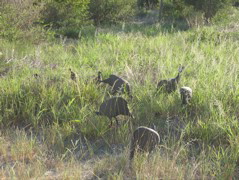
(22,156)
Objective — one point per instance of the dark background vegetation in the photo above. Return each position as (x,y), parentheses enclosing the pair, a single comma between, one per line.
(39,19)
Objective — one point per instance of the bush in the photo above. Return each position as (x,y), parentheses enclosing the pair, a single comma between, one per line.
(226,16)
(174,10)
(209,8)
(111,11)
(196,13)
(147,3)
(27,19)
(18,20)
(66,16)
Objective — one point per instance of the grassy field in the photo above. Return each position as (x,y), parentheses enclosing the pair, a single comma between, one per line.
(49,129)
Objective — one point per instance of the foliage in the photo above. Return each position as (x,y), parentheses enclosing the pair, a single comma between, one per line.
(111,11)
(208,7)
(67,17)
(19,21)
(196,13)
(70,13)
(147,3)
(176,9)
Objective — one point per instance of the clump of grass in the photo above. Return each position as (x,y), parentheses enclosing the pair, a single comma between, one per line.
(23,156)
(20,155)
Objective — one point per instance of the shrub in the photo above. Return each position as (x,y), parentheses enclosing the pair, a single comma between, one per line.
(65,16)
(111,11)
(18,20)
(69,13)
(173,9)
(194,12)
(208,7)
(147,3)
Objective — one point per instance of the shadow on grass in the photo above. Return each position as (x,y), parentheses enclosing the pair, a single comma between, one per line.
(146,28)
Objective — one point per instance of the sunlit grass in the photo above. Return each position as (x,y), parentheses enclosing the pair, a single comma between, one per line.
(199,141)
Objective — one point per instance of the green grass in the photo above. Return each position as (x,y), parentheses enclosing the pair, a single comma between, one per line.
(199,141)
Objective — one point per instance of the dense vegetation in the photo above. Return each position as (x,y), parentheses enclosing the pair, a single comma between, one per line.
(26,18)
(49,128)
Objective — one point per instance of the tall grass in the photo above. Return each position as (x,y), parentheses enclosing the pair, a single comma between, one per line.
(198,141)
